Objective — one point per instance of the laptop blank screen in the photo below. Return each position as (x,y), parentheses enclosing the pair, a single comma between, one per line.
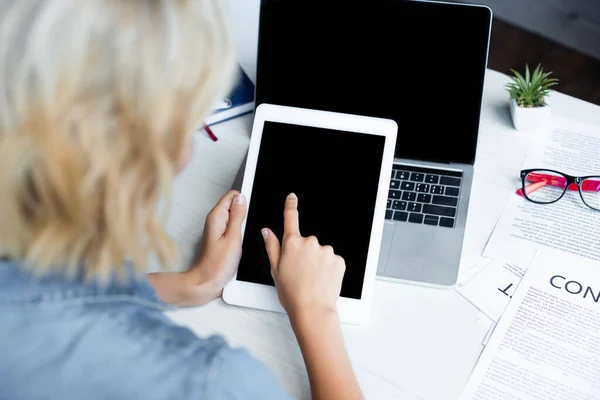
(421,64)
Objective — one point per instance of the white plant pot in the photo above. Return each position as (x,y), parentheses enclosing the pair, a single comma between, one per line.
(533,119)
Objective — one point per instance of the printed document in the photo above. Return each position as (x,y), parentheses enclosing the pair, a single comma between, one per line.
(567,225)
(491,289)
(547,343)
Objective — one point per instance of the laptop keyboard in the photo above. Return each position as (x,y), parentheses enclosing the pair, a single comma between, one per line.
(423,196)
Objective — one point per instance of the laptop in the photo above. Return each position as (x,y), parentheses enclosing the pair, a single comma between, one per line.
(419,63)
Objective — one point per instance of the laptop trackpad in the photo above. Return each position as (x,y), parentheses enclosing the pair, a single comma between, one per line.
(386,243)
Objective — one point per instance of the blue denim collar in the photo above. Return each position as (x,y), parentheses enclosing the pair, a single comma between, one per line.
(17,285)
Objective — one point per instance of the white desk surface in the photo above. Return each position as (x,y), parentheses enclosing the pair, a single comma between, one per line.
(421,343)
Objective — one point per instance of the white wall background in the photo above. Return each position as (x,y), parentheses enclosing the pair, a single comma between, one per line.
(244,18)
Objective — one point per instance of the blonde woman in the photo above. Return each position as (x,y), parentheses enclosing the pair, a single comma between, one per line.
(97,102)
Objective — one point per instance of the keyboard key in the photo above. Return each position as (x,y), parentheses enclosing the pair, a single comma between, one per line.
(422,188)
(416,218)
(394,184)
(414,207)
(407,186)
(394,194)
(452,191)
(431,220)
(388,214)
(409,196)
(439,210)
(402,175)
(399,205)
(435,189)
(424,198)
(450,181)
(445,200)
(417,177)
(432,178)
(389,204)
(400,216)
(447,222)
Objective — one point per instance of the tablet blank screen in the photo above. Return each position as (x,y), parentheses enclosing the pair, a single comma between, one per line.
(335,175)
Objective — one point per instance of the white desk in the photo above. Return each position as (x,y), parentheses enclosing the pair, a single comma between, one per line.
(421,343)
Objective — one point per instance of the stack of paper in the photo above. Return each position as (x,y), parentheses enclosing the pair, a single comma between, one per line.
(547,344)
(568,225)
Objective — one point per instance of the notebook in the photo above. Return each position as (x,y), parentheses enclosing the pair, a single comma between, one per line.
(240,101)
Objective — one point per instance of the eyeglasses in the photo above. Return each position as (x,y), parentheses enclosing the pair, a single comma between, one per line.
(545,186)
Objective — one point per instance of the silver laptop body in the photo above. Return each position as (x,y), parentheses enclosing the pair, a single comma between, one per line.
(426,254)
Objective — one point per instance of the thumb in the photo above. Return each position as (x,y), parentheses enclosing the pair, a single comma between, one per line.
(237,213)
(273,248)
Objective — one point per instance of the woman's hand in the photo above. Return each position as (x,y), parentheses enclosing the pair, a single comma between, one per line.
(221,247)
(220,254)
(308,276)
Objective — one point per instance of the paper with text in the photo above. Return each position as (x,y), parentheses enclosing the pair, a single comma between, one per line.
(547,343)
(567,225)
(491,289)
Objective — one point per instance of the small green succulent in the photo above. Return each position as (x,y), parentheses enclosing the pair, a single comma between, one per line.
(531,90)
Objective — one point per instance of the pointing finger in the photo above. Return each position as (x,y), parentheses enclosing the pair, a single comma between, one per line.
(290,216)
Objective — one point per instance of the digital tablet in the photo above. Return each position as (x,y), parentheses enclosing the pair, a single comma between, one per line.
(339,166)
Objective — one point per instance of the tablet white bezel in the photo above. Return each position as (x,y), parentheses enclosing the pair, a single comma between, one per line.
(264,296)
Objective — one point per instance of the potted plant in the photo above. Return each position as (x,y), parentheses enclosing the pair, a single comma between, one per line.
(528,105)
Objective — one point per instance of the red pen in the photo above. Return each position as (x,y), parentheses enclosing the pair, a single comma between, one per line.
(210,133)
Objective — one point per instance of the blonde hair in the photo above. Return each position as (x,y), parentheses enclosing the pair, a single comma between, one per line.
(97,98)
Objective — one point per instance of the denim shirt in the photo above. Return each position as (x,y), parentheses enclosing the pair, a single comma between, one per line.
(62,339)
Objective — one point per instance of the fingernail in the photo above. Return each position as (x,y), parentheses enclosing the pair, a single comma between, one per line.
(265,233)
(239,199)
(292,196)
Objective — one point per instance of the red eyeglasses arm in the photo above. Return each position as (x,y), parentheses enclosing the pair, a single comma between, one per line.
(540,180)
